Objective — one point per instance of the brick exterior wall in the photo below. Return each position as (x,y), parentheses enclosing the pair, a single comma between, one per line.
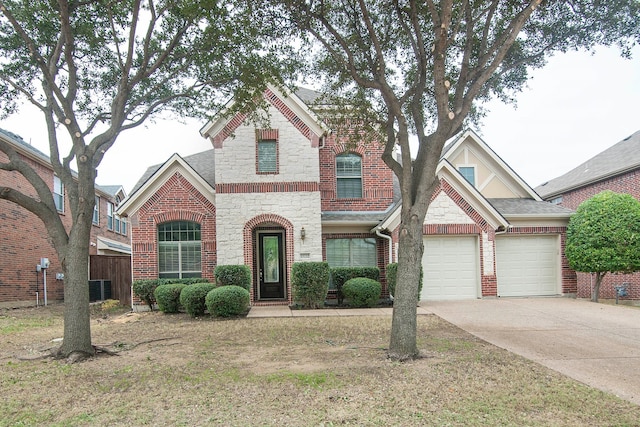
(175,200)
(377,178)
(24,240)
(626,183)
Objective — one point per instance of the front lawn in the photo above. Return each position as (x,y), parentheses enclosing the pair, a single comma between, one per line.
(326,371)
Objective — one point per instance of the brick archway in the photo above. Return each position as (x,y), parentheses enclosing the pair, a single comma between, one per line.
(249,236)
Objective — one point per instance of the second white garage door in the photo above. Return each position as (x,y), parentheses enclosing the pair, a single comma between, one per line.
(527,265)
(450,266)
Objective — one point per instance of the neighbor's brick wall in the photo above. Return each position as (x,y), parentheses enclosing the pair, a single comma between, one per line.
(24,240)
(628,183)
(176,200)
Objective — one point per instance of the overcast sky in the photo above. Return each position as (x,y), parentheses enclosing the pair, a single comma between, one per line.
(577,106)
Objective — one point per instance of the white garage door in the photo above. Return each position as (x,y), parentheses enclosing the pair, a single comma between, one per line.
(527,265)
(450,266)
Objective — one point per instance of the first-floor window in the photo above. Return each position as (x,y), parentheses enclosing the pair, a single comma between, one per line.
(359,252)
(179,254)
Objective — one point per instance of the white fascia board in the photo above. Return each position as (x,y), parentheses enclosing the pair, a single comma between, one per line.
(471,194)
(159,178)
(296,105)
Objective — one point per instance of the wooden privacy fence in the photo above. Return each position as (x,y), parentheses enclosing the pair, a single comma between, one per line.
(117,269)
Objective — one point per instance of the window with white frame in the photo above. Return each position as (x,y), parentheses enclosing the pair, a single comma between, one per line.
(179,253)
(96,211)
(110,210)
(469,173)
(58,193)
(349,176)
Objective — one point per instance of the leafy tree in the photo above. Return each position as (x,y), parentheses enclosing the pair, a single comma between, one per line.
(96,68)
(604,236)
(411,67)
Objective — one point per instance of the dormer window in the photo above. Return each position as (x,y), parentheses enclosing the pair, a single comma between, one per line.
(469,173)
(349,176)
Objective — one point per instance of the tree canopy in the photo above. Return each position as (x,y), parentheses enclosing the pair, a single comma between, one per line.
(603,236)
(96,68)
(423,68)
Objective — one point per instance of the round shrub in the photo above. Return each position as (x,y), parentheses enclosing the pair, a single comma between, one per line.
(168,297)
(193,297)
(227,301)
(144,289)
(238,275)
(362,292)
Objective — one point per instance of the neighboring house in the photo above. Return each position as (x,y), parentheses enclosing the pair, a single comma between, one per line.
(296,191)
(616,169)
(24,240)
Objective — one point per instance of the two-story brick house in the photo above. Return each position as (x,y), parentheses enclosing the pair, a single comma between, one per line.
(24,240)
(296,191)
(617,169)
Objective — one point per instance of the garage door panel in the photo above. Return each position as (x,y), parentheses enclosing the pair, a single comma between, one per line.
(450,266)
(527,265)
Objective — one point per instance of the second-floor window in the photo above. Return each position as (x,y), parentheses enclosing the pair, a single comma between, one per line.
(267,156)
(58,193)
(96,211)
(349,176)
(110,216)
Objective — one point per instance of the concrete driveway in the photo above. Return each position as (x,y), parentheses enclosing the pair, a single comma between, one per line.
(596,344)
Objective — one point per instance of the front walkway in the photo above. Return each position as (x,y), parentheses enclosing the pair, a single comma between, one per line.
(284,311)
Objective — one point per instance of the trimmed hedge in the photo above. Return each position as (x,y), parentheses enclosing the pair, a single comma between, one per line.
(310,283)
(362,292)
(237,275)
(168,297)
(392,277)
(144,289)
(193,297)
(227,301)
(341,275)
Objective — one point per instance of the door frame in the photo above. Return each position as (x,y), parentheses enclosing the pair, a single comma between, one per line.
(281,233)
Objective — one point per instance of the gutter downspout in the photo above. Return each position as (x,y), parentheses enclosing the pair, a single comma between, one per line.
(389,239)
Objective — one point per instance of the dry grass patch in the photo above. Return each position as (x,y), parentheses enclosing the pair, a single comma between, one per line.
(174,370)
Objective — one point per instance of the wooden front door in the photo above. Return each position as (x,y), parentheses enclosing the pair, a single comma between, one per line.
(271,265)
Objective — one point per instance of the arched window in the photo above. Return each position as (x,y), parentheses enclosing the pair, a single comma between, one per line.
(349,176)
(179,254)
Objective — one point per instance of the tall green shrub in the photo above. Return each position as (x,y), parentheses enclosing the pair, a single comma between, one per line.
(391,275)
(362,292)
(144,290)
(168,297)
(310,283)
(340,275)
(238,275)
(227,301)
(193,297)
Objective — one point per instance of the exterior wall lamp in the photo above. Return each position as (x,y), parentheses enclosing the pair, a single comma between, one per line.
(303,233)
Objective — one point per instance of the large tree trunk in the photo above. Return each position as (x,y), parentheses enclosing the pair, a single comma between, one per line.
(75,262)
(595,292)
(403,345)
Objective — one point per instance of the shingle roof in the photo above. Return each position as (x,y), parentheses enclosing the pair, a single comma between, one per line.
(618,159)
(356,216)
(17,140)
(112,190)
(203,163)
(510,207)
